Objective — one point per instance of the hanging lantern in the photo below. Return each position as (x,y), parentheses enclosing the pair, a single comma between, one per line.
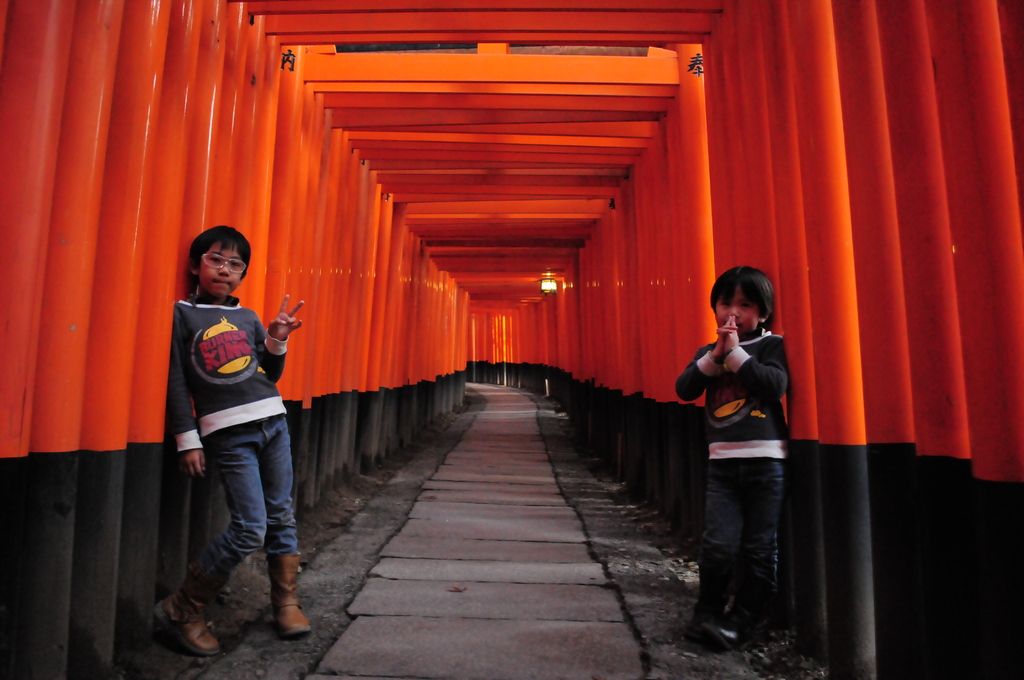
(548,285)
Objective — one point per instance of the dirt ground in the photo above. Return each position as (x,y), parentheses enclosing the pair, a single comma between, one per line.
(654,573)
(245,600)
(657,575)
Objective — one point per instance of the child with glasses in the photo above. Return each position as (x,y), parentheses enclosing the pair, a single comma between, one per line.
(222,402)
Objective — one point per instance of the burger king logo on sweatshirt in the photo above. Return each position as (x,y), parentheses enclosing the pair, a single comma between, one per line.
(222,354)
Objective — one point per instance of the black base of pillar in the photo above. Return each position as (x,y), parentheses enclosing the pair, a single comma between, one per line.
(175,505)
(368,421)
(675,459)
(406,414)
(896,551)
(47,549)
(347,438)
(317,453)
(1000,522)
(13,486)
(140,521)
(696,472)
(808,548)
(947,513)
(96,556)
(848,588)
(389,422)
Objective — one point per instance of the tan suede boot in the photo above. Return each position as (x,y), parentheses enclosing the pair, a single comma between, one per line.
(181,614)
(283,587)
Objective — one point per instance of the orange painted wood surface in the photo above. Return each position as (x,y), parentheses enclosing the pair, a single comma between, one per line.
(74,223)
(128,179)
(933,330)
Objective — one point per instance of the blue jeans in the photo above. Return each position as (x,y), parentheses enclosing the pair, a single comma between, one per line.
(255,464)
(744,502)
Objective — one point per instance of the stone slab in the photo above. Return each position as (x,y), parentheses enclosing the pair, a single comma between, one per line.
(551,488)
(499,459)
(497,441)
(494,462)
(446,511)
(479,649)
(474,454)
(470,549)
(496,470)
(446,476)
(581,573)
(492,497)
(461,599)
(524,452)
(556,531)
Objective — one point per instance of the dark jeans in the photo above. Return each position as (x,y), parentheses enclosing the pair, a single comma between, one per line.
(255,463)
(744,501)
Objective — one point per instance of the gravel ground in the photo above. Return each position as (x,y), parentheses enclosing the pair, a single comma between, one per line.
(656,573)
(653,573)
(339,542)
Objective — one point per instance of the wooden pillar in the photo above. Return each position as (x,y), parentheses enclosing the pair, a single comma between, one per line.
(163,260)
(202,138)
(896,543)
(126,189)
(163,264)
(32,83)
(268,77)
(837,360)
(934,334)
(793,296)
(67,294)
(230,120)
(985,224)
(756,243)
(691,183)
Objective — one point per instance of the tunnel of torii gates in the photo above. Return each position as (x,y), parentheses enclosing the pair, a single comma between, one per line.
(862,153)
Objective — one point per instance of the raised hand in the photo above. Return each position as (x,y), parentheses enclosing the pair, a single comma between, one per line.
(285,322)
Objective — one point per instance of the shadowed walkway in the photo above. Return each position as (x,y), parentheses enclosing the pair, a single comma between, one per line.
(490,578)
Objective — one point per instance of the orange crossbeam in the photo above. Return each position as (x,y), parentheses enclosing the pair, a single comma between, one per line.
(341,6)
(391,181)
(491,25)
(495,139)
(644,129)
(533,38)
(378,117)
(490,68)
(482,196)
(525,160)
(585,90)
(538,207)
(346,100)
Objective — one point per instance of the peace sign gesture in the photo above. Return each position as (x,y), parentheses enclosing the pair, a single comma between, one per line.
(285,322)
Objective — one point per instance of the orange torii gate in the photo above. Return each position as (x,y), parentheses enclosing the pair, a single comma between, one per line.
(866,155)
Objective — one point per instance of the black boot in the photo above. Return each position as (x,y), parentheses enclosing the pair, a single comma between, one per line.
(710,603)
(734,629)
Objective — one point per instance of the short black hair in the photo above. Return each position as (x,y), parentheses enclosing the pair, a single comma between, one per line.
(227,237)
(755,286)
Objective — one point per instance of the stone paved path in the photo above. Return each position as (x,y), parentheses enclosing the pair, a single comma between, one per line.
(490,578)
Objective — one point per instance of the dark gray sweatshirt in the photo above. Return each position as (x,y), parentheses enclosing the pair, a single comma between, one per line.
(743,408)
(225,365)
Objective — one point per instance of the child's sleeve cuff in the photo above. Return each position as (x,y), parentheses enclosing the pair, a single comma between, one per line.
(707,365)
(275,346)
(188,440)
(736,358)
